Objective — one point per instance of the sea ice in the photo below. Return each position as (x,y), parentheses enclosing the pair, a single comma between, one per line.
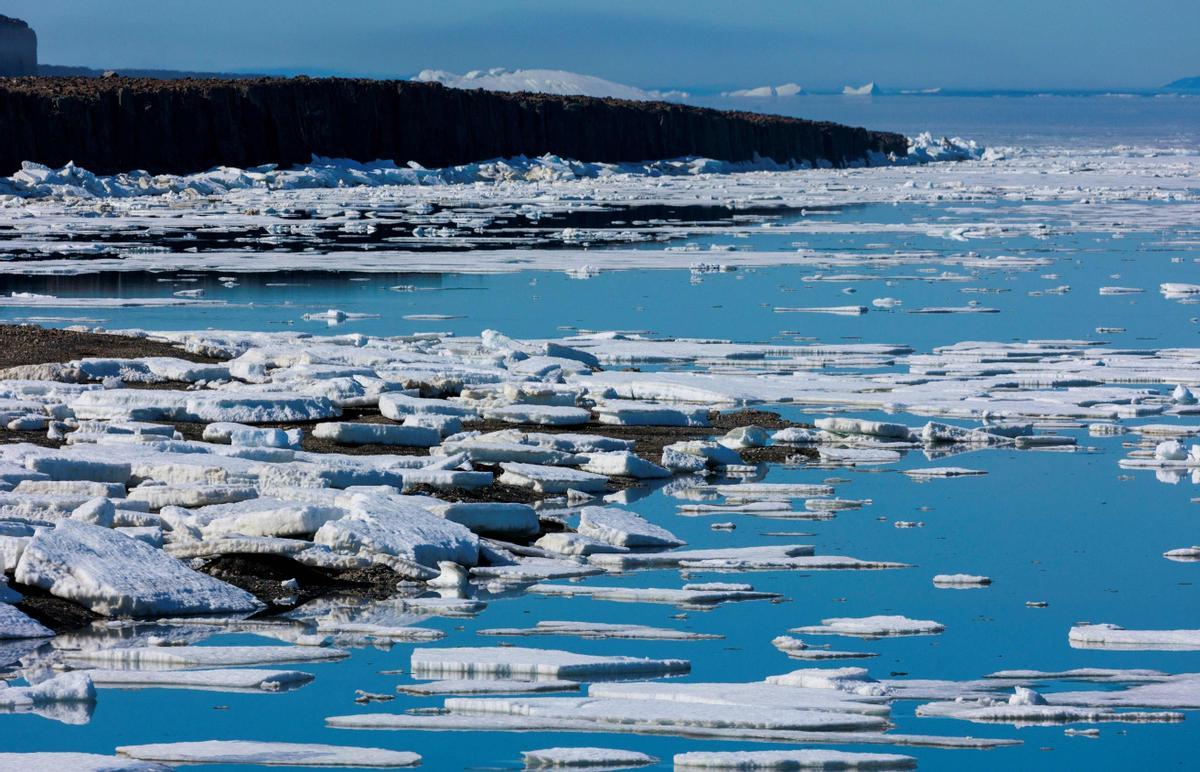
(872,627)
(112,574)
(269,754)
(518,662)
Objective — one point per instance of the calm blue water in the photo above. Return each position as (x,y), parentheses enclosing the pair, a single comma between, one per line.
(1066,528)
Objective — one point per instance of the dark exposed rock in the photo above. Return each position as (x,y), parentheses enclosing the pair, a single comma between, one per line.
(109,125)
(18,47)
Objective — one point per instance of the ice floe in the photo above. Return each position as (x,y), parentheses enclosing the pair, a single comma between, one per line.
(517,662)
(269,753)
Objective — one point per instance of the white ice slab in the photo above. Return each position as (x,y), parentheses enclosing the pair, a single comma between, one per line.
(190,657)
(269,754)
(518,662)
(622,528)
(1109,636)
(792,759)
(16,624)
(551,479)
(872,626)
(609,758)
(601,630)
(219,680)
(57,761)
(112,574)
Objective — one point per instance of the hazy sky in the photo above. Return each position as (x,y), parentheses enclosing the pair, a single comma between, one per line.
(649,43)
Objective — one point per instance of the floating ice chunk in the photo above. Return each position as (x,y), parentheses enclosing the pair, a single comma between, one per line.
(551,479)
(855,456)
(797,563)
(759,694)
(798,649)
(931,472)
(489,686)
(635,413)
(1170,450)
(15,624)
(961,581)
(839,310)
(570,543)
(698,455)
(269,753)
(872,626)
(378,434)
(767,491)
(676,558)
(934,433)
(689,597)
(622,463)
(1023,713)
(529,570)
(1184,554)
(518,662)
(1109,636)
(624,529)
(53,761)
(852,680)
(668,713)
(792,759)
(190,657)
(1182,395)
(760,508)
(378,631)
(608,758)
(221,680)
(113,575)
(1176,288)
(62,688)
(1043,441)
(745,437)
(601,630)
(859,426)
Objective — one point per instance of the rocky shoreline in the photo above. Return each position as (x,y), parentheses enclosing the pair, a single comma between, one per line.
(112,125)
(277,581)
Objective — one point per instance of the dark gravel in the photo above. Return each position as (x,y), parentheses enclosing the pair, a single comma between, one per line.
(31,345)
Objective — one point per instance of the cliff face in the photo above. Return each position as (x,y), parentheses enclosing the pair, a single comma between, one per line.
(110,125)
(18,47)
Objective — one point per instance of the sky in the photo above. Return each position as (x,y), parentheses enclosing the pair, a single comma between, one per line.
(697,44)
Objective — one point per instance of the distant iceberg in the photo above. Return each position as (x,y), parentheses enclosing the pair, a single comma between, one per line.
(866,90)
(785,90)
(559,82)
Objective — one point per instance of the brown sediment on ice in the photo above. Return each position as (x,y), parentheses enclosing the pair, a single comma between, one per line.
(31,345)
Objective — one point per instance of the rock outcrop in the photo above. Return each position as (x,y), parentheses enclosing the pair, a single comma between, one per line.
(116,124)
(18,47)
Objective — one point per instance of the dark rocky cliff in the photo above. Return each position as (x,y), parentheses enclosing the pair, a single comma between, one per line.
(18,47)
(117,124)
